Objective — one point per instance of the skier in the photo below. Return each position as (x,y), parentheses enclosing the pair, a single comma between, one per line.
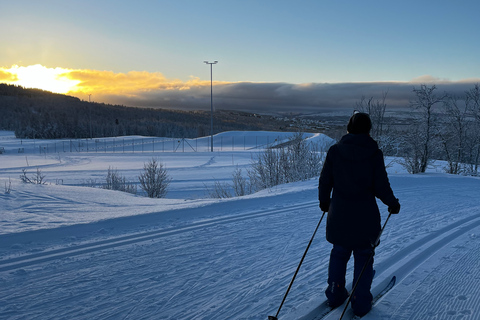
(354,169)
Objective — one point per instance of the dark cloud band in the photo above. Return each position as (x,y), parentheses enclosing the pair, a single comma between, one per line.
(284,97)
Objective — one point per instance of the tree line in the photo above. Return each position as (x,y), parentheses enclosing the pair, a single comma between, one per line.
(39,114)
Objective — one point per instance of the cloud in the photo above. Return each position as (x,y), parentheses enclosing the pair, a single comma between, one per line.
(6,76)
(428,79)
(146,89)
(132,83)
(284,97)
(153,89)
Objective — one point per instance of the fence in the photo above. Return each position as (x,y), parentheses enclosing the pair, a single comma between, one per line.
(145,144)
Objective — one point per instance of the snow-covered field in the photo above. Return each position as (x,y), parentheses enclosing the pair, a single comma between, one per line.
(68,251)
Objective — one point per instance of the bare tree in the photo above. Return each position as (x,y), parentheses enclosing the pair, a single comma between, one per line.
(37,178)
(115,181)
(381,132)
(292,161)
(472,102)
(454,133)
(412,150)
(154,180)
(239,183)
(220,190)
(419,140)
(376,110)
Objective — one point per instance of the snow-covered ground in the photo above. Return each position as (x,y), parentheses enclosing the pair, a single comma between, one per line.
(68,251)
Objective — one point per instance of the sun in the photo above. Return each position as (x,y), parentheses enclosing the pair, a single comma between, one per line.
(40,77)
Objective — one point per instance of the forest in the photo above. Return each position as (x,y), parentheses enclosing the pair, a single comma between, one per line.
(38,114)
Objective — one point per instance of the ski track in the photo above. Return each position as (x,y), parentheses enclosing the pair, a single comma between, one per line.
(401,255)
(179,244)
(244,275)
(408,260)
(448,291)
(31,259)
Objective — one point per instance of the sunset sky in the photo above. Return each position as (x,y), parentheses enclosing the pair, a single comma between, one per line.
(151,52)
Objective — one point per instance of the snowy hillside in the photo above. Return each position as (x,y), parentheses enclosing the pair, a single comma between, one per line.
(68,251)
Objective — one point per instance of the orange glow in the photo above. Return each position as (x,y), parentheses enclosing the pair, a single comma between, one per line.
(82,81)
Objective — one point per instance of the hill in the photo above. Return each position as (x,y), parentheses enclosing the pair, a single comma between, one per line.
(34,113)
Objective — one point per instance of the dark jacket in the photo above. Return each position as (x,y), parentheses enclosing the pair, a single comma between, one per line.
(354,169)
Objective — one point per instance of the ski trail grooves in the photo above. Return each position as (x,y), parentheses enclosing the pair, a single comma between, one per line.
(36,258)
(408,260)
(450,290)
(426,247)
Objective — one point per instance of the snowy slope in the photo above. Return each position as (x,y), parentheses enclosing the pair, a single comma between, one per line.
(74,252)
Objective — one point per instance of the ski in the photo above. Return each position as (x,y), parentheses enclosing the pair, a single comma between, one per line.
(381,294)
(320,312)
(324,310)
(385,290)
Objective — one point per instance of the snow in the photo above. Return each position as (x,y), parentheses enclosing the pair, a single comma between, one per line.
(68,251)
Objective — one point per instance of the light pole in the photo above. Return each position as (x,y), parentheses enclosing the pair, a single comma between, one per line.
(90,115)
(211,101)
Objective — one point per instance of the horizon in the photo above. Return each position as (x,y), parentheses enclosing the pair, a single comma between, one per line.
(277,98)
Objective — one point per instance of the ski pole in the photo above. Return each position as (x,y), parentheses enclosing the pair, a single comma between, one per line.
(298,268)
(364,267)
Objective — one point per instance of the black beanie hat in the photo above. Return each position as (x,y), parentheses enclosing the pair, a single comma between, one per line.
(359,123)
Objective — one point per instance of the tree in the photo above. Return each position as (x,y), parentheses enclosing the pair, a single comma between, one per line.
(239,183)
(419,140)
(154,180)
(292,161)
(115,181)
(376,110)
(37,178)
(472,102)
(454,133)
(381,132)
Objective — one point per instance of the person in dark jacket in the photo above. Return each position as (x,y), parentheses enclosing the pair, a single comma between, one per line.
(353,175)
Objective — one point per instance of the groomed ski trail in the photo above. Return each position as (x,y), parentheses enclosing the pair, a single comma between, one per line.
(241,267)
(405,262)
(31,259)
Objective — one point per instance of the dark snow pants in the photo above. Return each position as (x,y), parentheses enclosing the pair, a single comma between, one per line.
(336,291)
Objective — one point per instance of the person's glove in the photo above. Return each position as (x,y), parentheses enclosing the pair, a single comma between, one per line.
(395,208)
(325,205)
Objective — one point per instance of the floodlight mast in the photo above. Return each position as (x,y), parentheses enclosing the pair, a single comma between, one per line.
(211,101)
